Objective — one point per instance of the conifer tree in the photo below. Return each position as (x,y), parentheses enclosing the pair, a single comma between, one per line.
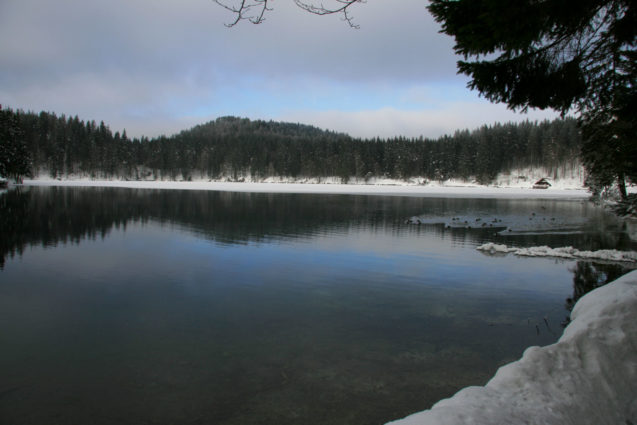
(15,160)
(562,54)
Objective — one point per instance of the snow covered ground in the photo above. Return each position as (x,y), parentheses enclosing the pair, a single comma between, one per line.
(567,176)
(588,377)
(384,188)
(566,182)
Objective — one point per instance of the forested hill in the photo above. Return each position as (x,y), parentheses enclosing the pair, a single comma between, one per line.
(234,125)
(235,148)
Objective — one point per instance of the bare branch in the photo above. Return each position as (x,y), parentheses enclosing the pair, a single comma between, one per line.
(254,10)
(342,6)
(247,10)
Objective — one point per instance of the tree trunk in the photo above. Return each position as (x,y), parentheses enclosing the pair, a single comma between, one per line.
(621,184)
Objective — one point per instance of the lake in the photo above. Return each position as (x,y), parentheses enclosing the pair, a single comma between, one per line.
(139,306)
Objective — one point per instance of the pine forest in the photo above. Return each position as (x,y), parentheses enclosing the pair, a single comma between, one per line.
(238,149)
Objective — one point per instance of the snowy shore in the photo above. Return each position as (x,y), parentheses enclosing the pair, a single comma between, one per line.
(429,190)
(588,377)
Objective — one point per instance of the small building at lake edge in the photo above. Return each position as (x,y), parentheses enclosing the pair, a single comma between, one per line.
(542,184)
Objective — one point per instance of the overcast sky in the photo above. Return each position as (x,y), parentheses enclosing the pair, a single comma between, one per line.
(159,66)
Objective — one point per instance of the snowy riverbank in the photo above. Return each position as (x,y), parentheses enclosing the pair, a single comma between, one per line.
(588,377)
(442,190)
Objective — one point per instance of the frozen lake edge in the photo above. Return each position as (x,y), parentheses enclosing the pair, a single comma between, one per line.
(348,189)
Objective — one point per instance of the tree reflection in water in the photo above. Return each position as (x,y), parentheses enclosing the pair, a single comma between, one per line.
(588,276)
(293,329)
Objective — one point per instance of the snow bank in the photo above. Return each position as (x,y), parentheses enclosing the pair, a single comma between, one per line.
(355,189)
(588,377)
(570,175)
(563,252)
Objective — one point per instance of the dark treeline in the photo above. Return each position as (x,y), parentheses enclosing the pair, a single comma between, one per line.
(235,148)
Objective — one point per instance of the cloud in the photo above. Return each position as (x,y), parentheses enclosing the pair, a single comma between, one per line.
(162,36)
(432,123)
(153,66)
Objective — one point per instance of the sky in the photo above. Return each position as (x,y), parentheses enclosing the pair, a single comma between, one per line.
(156,67)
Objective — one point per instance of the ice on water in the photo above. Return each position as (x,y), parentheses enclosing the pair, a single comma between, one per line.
(561,252)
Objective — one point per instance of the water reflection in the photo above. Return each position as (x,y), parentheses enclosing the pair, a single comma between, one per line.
(144,306)
(47,216)
(31,216)
(588,276)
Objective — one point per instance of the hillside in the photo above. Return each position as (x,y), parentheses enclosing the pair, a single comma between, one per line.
(239,149)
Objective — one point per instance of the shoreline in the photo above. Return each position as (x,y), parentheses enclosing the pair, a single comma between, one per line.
(587,376)
(469,191)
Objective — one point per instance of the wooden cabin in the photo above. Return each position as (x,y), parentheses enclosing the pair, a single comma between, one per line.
(542,184)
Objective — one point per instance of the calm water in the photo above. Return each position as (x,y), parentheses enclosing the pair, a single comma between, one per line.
(132,306)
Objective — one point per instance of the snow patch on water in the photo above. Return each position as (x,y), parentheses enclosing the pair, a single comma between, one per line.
(562,252)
